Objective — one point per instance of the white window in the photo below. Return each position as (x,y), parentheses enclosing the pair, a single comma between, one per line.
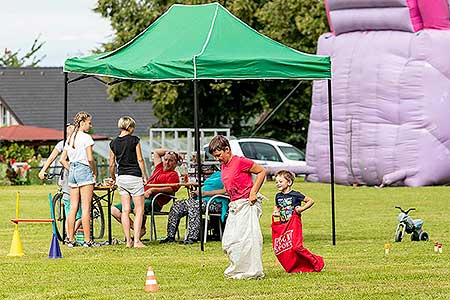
(5,116)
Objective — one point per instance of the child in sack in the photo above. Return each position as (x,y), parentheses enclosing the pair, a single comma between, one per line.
(287,237)
(288,201)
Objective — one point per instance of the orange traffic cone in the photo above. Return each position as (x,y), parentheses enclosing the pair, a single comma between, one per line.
(150,282)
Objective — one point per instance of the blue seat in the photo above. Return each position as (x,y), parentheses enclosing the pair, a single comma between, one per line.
(208,214)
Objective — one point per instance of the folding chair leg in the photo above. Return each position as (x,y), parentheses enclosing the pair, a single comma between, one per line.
(152,227)
(206,228)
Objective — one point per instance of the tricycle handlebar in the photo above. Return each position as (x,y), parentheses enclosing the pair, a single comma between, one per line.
(407,211)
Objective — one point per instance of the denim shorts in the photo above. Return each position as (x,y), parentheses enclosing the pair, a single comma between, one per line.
(130,185)
(80,175)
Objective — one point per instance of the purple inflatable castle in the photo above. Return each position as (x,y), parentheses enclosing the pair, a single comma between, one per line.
(391,94)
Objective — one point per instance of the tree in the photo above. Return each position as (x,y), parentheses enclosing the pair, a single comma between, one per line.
(297,24)
(235,104)
(12,59)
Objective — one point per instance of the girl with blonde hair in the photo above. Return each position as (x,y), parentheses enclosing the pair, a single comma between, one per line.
(82,175)
(126,151)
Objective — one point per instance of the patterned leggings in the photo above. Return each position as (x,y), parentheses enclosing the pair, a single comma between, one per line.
(189,208)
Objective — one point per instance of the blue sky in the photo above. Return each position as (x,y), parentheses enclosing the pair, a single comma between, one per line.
(68,28)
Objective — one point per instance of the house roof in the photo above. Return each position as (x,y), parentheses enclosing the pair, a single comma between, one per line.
(41,135)
(35,97)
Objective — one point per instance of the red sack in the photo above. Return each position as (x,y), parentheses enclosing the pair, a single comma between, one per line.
(287,242)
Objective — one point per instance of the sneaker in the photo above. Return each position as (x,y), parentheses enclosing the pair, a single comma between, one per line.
(71,244)
(188,242)
(167,240)
(89,244)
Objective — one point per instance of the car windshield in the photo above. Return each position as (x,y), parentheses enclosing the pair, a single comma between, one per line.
(292,153)
(259,151)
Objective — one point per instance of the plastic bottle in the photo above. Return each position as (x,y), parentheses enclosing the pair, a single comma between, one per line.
(436,247)
(183,169)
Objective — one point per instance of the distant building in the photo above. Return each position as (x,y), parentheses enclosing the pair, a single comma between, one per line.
(35,97)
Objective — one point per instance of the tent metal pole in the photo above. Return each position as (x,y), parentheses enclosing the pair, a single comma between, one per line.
(66,79)
(330,133)
(199,163)
(65,105)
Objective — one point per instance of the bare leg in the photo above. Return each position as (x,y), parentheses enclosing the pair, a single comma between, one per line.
(116,213)
(74,202)
(138,216)
(77,224)
(86,192)
(125,217)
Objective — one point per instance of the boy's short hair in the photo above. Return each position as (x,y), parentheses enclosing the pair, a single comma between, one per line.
(217,143)
(126,122)
(288,175)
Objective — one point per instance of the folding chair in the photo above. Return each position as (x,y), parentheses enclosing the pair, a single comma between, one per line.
(154,213)
(208,214)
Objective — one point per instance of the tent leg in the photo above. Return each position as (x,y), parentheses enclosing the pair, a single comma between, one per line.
(65,104)
(199,163)
(330,133)
(66,79)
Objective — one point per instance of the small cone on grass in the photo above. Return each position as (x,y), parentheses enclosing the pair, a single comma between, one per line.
(150,282)
(16,245)
(55,250)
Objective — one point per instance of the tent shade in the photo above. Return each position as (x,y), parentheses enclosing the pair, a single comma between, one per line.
(202,42)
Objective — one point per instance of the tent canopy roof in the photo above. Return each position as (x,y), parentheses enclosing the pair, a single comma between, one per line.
(202,42)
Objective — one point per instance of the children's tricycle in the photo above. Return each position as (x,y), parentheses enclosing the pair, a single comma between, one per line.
(413,227)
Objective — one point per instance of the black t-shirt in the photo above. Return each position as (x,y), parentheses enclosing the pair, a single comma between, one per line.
(287,202)
(124,148)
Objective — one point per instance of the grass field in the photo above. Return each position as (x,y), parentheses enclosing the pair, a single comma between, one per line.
(356,268)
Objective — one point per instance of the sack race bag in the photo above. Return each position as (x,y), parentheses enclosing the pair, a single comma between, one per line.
(287,242)
(242,240)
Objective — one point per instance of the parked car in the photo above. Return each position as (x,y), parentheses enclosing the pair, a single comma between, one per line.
(271,154)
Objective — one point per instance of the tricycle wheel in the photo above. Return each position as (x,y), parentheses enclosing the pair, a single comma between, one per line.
(415,236)
(398,236)
(423,236)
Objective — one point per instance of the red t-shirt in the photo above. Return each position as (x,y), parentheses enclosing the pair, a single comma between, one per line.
(160,176)
(236,177)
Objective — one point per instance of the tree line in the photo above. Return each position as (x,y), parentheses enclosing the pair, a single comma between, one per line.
(238,105)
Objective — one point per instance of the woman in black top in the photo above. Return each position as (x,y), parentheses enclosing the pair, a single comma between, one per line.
(126,151)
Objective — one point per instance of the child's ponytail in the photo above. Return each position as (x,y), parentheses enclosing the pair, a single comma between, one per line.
(77,119)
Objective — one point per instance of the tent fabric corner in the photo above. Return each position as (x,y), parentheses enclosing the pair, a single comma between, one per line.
(202,42)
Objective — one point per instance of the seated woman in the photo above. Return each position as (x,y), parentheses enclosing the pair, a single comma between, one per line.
(189,207)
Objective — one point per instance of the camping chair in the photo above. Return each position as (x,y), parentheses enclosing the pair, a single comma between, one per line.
(154,213)
(208,214)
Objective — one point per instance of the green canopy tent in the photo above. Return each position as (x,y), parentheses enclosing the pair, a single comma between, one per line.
(195,42)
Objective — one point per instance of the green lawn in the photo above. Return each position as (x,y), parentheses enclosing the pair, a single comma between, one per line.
(356,268)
